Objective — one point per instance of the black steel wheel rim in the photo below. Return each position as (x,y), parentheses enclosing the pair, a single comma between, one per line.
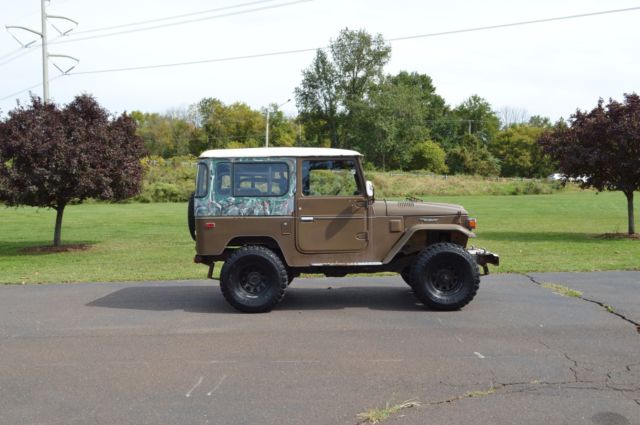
(446,280)
(254,279)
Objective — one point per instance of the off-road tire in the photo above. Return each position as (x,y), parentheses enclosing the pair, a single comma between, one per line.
(445,276)
(253,279)
(191,218)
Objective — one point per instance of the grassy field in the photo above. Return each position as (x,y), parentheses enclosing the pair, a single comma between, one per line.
(150,241)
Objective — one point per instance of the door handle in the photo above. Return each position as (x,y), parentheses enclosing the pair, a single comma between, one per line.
(306,219)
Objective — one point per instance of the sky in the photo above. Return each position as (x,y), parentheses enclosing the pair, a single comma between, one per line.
(547,69)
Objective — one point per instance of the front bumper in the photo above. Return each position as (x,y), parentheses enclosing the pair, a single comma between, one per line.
(484,258)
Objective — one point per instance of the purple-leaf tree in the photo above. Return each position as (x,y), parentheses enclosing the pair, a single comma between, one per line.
(51,156)
(601,148)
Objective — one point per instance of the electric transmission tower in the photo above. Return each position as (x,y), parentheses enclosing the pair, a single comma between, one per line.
(45,53)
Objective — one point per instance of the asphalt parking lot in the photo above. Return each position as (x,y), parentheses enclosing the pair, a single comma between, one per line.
(176,353)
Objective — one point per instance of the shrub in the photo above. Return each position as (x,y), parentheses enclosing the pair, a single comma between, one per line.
(428,156)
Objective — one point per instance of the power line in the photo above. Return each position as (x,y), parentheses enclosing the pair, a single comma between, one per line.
(11,53)
(190,21)
(23,51)
(515,24)
(29,88)
(185,15)
(72,39)
(296,51)
(167,65)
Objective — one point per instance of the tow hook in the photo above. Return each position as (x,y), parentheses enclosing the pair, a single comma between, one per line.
(484,258)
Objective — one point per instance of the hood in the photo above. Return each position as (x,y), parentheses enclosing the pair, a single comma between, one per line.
(408,208)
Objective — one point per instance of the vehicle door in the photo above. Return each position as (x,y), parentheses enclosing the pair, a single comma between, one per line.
(331,209)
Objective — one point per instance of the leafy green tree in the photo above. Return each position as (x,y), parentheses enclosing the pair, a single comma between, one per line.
(388,124)
(282,130)
(433,105)
(601,148)
(318,100)
(51,156)
(429,156)
(224,125)
(540,121)
(519,154)
(472,157)
(359,59)
(165,135)
(475,116)
(332,87)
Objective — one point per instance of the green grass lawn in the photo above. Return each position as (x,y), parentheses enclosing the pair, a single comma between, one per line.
(150,241)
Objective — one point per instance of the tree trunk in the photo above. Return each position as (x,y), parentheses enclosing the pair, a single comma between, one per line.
(632,224)
(58,232)
(334,133)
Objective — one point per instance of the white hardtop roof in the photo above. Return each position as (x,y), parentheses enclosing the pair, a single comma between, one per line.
(276,152)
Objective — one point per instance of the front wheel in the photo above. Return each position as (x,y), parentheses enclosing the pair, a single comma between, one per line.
(253,279)
(445,276)
(406,276)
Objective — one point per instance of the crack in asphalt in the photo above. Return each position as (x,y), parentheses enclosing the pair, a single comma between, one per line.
(604,384)
(609,309)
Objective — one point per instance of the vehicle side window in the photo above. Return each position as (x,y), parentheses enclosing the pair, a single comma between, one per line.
(335,177)
(223,178)
(202,180)
(260,179)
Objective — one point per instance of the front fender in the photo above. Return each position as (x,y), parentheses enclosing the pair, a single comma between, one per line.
(425,228)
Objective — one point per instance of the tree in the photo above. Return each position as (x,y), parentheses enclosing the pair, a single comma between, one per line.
(429,156)
(471,156)
(282,130)
(318,100)
(601,148)
(517,149)
(332,87)
(359,59)
(50,156)
(387,126)
(475,116)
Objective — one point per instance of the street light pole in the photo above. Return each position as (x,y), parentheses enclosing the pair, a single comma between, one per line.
(266,130)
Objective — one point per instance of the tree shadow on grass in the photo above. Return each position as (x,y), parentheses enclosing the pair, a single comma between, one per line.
(42,247)
(204,299)
(509,236)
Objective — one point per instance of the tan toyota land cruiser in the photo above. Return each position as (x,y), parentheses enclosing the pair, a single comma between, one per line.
(273,213)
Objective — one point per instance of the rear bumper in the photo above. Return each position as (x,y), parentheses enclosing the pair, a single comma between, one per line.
(484,258)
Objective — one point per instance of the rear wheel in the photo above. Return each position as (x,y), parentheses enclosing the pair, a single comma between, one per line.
(191,218)
(445,277)
(253,279)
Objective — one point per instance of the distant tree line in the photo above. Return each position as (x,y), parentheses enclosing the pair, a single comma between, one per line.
(345,100)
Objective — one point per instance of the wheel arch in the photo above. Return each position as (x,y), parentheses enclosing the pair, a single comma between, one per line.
(266,241)
(428,234)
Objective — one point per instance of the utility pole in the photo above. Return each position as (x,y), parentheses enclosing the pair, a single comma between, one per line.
(266,130)
(45,52)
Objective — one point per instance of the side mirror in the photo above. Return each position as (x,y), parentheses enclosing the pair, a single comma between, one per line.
(370,190)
